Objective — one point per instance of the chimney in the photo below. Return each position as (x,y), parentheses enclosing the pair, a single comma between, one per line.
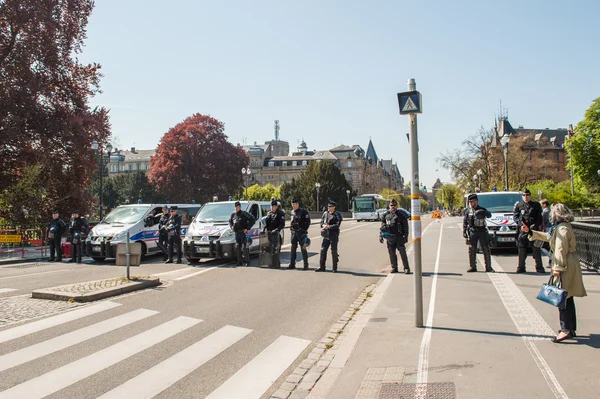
(133,150)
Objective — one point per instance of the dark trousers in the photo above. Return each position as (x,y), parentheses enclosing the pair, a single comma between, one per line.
(54,244)
(480,237)
(331,240)
(522,244)
(396,243)
(76,252)
(297,237)
(175,243)
(241,247)
(567,316)
(163,244)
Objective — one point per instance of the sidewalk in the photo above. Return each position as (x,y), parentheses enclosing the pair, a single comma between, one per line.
(486,337)
(27,254)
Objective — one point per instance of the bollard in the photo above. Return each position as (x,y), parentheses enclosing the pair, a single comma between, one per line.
(127,255)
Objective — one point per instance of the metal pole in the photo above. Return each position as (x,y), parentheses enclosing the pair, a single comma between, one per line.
(101,173)
(506,166)
(127,255)
(415,195)
(572,183)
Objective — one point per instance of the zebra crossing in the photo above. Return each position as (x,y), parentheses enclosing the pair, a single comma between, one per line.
(252,380)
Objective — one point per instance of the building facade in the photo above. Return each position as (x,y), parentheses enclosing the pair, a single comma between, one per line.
(123,161)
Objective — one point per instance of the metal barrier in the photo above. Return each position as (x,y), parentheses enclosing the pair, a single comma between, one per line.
(587,236)
(22,241)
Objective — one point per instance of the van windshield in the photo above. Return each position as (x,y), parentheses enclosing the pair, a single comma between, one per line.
(215,212)
(499,203)
(126,214)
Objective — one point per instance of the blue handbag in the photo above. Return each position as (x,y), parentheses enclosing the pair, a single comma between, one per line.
(553,293)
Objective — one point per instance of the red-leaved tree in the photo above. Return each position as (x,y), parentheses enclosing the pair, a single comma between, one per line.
(194,161)
(46,122)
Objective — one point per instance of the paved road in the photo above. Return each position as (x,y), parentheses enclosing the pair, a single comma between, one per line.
(240,319)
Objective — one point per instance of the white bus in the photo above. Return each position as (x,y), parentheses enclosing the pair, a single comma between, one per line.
(368,207)
(502,230)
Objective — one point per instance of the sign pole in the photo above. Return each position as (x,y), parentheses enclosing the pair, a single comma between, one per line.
(410,104)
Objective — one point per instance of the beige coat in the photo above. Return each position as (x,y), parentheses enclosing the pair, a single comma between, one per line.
(564,257)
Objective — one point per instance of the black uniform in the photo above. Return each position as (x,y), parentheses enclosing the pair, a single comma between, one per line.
(275,222)
(529,213)
(174,236)
(475,231)
(331,237)
(78,228)
(396,224)
(163,236)
(56,229)
(299,225)
(238,222)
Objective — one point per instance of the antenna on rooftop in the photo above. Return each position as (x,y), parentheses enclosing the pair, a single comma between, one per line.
(276,130)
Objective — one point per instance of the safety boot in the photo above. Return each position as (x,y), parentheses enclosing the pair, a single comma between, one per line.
(322,261)
(335,257)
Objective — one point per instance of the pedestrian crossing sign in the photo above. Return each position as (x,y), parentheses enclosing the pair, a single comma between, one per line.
(410,102)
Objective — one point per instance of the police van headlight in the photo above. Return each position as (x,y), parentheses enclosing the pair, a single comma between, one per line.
(228,235)
(188,234)
(119,236)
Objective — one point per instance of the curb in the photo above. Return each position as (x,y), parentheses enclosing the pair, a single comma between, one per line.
(303,379)
(49,293)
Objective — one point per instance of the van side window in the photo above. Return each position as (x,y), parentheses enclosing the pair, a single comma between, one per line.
(254,212)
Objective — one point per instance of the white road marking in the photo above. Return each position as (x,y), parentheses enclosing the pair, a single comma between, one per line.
(530,324)
(30,328)
(5,290)
(195,274)
(155,380)
(253,380)
(35,274)
(71,373)
(422,368)
(36,351)
(172,271)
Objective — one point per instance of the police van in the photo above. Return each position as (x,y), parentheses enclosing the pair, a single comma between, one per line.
(135,219)
(209,234)
(502,230)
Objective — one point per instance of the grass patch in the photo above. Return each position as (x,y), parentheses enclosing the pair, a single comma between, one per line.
(356,309)
(328,346)
(369,295)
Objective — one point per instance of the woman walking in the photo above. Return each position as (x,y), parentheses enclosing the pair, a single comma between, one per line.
(565,265)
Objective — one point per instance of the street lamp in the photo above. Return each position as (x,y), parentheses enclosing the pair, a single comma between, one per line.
(479,173)
(504,140)
(348,195)
(246,172)
(569,135)
(475,176)
(318,186)
(540,194)
(96,147)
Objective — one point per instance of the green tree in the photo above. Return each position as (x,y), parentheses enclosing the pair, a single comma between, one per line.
(264,193)
(583,149)
(333,186)
(388,193)
(27,201)
(450,196)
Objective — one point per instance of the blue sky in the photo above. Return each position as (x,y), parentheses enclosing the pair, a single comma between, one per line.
(329,71)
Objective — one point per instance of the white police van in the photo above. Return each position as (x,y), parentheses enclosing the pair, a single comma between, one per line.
(104,237)
(209,234)
(502,230)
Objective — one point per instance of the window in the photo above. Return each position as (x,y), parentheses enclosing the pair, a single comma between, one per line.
(265,209)
(556,156)
(349,164)
(284,163)
(254,211)
(543,155)
(271,163)
(294,163)
(349,177)
(304,163)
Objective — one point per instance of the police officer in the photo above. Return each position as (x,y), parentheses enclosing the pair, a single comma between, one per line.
(163,236)
(299,224)
(174,234)
(78,228)
(395,224)
(529,213)
(240,222)
(56,228)
(474,231)
(275,222)
(330,231)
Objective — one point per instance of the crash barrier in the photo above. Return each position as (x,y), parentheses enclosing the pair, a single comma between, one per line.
(22,241)
(587,236)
